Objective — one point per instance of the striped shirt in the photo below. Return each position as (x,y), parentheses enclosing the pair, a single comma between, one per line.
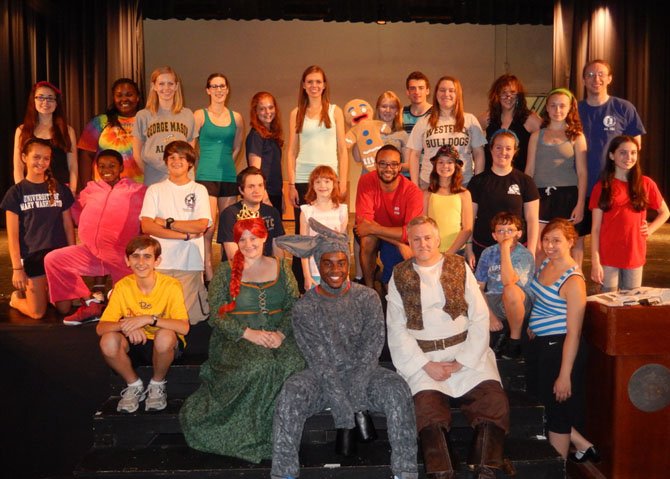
(549,315)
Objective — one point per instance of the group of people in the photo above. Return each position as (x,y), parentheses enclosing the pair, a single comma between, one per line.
(451,207)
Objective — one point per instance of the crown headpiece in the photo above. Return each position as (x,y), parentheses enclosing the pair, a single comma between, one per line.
(246,213)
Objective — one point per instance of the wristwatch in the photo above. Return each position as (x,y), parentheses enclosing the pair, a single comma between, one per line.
(155,320)
(168,223)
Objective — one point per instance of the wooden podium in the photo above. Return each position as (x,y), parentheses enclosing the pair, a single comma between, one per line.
(634,443)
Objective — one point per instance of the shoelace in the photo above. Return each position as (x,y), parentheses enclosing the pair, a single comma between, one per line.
(132,391)
(155,390)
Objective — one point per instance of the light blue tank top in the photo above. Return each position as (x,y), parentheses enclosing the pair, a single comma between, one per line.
(318,146)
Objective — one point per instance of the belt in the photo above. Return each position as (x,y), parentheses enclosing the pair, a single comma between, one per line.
(444,343)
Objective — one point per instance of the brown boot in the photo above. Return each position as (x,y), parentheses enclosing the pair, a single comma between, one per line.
(486,452)
(436,452)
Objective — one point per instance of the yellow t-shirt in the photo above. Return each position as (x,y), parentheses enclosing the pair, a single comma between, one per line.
(166,300)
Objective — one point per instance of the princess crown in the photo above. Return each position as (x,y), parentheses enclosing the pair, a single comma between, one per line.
(245,213)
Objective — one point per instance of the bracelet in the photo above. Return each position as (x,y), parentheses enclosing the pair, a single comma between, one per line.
(155,320)
(17,269)
(291,184)
(468,242)
(188,237)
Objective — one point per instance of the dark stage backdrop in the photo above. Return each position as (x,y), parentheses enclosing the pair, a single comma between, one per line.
(83,46)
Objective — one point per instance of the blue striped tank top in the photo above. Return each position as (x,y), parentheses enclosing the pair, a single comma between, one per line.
(549,312)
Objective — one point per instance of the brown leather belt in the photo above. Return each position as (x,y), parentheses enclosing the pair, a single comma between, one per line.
(444,343)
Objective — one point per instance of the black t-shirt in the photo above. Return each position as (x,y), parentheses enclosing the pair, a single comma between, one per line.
(522,153)
(494,194)
(40,223)
(270,154)
(228,217)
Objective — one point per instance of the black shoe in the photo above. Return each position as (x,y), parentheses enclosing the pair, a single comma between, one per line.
(591,454)
(511,349)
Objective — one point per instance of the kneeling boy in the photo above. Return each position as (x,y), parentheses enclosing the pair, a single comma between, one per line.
(504,272)
(146,312)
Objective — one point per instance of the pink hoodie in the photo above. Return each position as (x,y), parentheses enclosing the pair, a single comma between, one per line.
(109,217)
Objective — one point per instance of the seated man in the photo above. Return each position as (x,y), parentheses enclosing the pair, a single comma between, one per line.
(107,213)
(176,212)
(438,335)
(385,202)
(146,313)
(339,328)
(251,185)
(504,271)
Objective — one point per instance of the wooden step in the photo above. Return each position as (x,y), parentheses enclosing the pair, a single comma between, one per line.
(112,428)
(533,459)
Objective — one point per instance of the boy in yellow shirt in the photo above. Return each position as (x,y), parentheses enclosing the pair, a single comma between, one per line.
(146,312)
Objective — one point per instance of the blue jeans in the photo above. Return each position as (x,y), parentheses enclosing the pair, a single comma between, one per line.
(619,278)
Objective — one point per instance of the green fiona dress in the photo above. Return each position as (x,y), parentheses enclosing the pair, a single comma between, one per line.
(231,413)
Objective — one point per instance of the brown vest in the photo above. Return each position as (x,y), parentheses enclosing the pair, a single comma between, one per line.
(452,280)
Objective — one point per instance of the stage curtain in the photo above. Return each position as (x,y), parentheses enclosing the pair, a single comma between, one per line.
(633,38)
(79,45)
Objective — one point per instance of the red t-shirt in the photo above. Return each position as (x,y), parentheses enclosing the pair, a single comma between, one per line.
(621,242)
(396,208)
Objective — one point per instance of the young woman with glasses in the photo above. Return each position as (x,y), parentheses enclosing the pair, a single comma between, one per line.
(45,118)
(508,109)
(220,132)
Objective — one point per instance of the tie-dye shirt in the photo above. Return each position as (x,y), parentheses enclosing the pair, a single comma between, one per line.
(99,135)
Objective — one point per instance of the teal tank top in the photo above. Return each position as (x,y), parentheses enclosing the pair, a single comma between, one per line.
(216,151)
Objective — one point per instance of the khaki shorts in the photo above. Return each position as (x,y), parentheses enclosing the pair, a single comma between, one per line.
(195,293)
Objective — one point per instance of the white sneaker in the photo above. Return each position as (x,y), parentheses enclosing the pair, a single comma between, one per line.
(156,397)
(130,399)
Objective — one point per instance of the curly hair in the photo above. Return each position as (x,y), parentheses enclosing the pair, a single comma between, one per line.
(521,110)
(573,124)
(562,224)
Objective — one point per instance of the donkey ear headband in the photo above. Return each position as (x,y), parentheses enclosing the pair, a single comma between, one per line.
(326,240)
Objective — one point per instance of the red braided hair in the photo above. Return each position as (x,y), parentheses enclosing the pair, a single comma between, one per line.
(256,226)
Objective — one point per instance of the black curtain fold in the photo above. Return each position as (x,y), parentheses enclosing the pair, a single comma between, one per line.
(69,44)
(637,45)
(83,46)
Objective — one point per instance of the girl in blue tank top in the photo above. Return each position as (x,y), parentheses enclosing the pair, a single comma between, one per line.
(555,356)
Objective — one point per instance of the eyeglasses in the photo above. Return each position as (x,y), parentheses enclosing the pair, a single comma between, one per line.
(600,74)
(508,94)
(218,87)
(383,164)
(47,99)
(506,231)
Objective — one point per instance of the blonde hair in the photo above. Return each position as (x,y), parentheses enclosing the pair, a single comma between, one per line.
(390,95)
(152,98)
